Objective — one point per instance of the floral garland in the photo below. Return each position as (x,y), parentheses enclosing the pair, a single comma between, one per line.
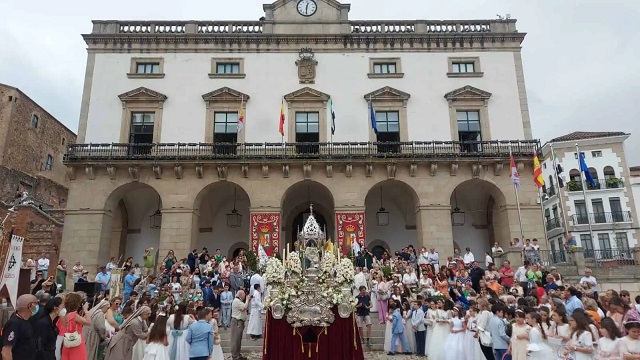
(345,273)
(294,265)
(274,275)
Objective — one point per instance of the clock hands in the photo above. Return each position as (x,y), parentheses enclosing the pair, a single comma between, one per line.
(307,8)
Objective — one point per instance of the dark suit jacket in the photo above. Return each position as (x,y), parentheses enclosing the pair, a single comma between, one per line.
(215,301)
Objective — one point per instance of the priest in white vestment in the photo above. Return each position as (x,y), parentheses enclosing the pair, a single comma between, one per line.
(360,279)
(254,329)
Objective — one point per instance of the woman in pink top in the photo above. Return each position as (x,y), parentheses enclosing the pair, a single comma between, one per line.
(72,322)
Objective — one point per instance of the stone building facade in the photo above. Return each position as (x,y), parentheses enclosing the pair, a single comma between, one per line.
(160,161)
(32,147)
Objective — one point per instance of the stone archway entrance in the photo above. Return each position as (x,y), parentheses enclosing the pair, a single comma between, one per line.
(296,208)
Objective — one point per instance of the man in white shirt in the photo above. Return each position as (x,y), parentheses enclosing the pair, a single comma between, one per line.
(496,249)
(410,280)
(589,280)
(360,279)
(423,259)
(521,276)
(257,279)
(356,248)
(468,257)
(434,260)
(43,265)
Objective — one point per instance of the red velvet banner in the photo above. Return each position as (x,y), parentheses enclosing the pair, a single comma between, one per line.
(350,228)
(265,231)
(339,341)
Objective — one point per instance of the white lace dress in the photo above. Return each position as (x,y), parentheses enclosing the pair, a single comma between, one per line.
(178,346)
(538,349)
(608,349)
(441,331)
(453,348)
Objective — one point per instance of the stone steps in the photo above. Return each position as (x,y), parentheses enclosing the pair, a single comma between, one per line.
(249,345)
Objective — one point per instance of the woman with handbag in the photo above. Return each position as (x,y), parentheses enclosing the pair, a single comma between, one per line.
(382,297)
(70,326)
(96,334)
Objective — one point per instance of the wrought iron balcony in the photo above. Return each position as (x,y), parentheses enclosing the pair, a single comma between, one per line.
(552,223)
(415,150)
(611,183)
(602,218)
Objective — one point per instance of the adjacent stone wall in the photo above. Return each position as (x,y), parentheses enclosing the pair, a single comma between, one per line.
(42,233)
(25,147)
(42,189)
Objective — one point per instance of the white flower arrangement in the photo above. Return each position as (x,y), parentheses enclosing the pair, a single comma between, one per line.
(294,264)
(328,262)
(345,273)
(275,271)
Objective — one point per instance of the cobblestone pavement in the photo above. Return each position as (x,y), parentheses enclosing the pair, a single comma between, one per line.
(373,355)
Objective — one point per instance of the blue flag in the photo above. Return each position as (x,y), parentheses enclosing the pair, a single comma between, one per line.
(585,169)
(374,126)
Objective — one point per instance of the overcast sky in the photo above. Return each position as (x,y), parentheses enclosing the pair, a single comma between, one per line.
(580,57)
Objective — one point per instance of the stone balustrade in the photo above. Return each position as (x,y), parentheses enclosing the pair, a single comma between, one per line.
(259,27)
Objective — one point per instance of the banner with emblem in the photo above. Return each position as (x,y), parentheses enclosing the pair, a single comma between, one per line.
(265,232)
(12,268)
(350,228)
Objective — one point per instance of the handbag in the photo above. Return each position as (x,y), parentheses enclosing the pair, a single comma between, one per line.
(71,339)
(485,337)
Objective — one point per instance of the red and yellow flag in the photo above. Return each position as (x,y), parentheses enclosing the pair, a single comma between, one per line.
(241,117)
(281,126)
(537,171)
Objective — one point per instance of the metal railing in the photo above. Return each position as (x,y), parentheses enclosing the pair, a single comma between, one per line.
(552,223)
(612,183)
(622,256)
(307,150)
(602,218)
(553,257)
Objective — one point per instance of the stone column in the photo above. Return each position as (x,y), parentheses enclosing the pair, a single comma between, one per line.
(434,229)
(514,255)
(86,237)
(179,232)
(577,255)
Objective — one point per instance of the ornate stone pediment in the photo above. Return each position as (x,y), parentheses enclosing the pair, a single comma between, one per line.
(307,94)
(467,93)
(225,94)
(387,93)
(142,94)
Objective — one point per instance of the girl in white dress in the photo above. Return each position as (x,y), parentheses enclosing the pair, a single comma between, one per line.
(629,345)
(217,348)
(372,293)
(157,342)
(254,327)
(560,332)
(408,328)
(471,344)
(538,349)
(580,346)
(454,345)
(176,290)
(430,321)
(608,344)
(441,331)
(178,324)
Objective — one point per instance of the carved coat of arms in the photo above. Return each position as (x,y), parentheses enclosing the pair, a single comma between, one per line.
(306,66)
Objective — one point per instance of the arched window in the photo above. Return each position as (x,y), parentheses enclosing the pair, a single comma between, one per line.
(574,175)
(609,172)
(593,172)
(34,121)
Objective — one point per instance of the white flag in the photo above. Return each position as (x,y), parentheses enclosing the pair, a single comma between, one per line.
(262,255)
(12,268)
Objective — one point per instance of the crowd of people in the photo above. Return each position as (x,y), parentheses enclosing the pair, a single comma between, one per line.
(452,309)
(461,310)
(177,314)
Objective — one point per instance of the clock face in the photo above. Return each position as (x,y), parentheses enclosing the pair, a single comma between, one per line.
(307,7)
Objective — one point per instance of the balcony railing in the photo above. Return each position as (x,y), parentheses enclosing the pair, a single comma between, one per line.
(337,151)
(552,223)
(610,257)
(602,218)
(612,183)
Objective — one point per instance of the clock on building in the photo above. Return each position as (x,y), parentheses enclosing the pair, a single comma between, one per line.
(307,7)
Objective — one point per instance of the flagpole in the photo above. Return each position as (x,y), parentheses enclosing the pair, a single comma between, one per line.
(565,224)
(583,184)
(546,236)
(515,188)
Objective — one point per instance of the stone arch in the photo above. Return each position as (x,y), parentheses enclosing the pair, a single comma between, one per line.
(400,200)
(212,204)
(486,217)
(235,248)
(129,208)
(378,243)
(295,202)
(609,172)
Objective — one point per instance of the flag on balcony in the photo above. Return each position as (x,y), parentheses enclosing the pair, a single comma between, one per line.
(585,169)
(515,177)
(537,171)
(241,116)
(559,171)
(281,125)
(333,117)
(372,114)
